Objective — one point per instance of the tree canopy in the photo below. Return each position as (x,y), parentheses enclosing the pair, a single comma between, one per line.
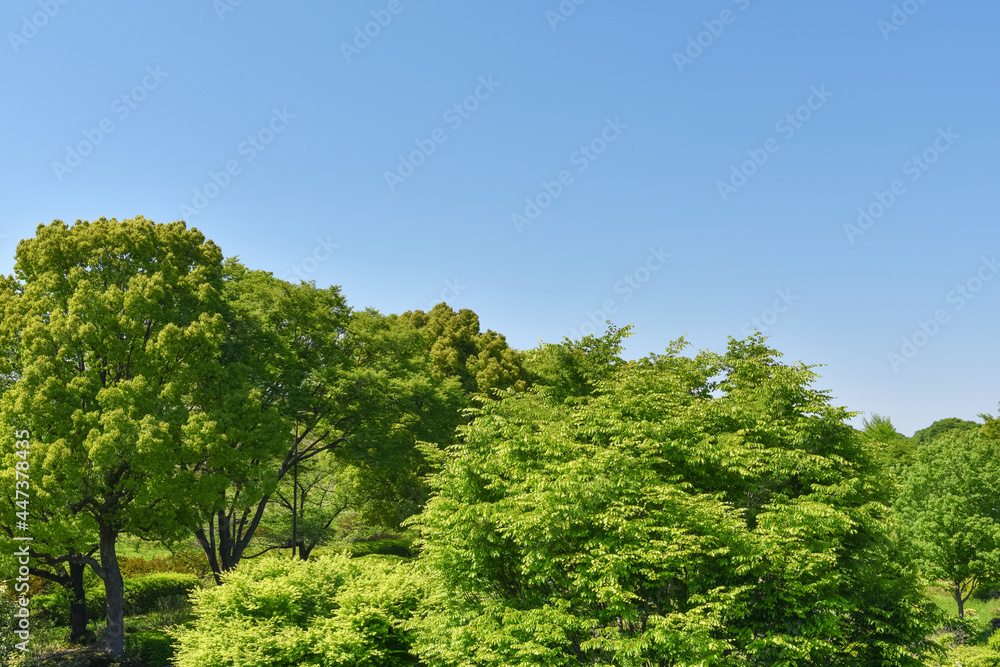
(706,510)
(950,502)
(116,329)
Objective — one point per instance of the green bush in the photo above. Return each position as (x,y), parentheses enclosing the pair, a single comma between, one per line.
(143,593)
(968,630)
(381,547)
(152,647)
(972,656)
(334,611)
(54,607)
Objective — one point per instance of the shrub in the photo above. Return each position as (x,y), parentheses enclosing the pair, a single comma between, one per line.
(143,593)
(188,562)
(152,647)
(398,547)
(54,607)
(334,611)
(967,630)
(973,656)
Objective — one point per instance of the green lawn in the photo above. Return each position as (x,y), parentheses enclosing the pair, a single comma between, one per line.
(944,599)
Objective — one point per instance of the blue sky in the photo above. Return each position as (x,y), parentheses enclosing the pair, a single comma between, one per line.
(683,167)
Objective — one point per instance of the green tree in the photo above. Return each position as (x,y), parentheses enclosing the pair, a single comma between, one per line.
(354,386)
(942,426)
(708,510)
(116,351)
(892,450)
(481,361)
(324,502)
(991,426)
(951,503)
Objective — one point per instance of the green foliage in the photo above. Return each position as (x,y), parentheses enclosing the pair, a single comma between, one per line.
(54,607)
(142,594)
(8,623)
(713,510)
(971,656)
(943,426)
(336,612)
(481,361)
(949,503)
(400,547)
(891,449)
(361,402)
(153,647)
(113,334)
(570,371)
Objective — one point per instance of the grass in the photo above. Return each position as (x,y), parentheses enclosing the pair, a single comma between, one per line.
(944,599)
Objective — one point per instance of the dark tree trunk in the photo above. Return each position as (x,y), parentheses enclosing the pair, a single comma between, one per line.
(960,602)
(114,591)
(226,553)
(77,603)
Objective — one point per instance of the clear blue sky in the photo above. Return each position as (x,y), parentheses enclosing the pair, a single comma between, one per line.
(122,108)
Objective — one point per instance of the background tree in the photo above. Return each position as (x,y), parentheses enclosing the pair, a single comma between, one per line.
(991,426)
(892,450)
(117,346)
(352,386)
(951,503)
(331,503)
(942,426)
(481,361)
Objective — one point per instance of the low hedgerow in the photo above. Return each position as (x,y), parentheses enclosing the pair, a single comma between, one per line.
(335,611)
(54,607)
(143,593)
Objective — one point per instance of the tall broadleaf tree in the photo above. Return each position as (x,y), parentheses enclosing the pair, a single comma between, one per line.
(117,349)
(354,386)
(950,503)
